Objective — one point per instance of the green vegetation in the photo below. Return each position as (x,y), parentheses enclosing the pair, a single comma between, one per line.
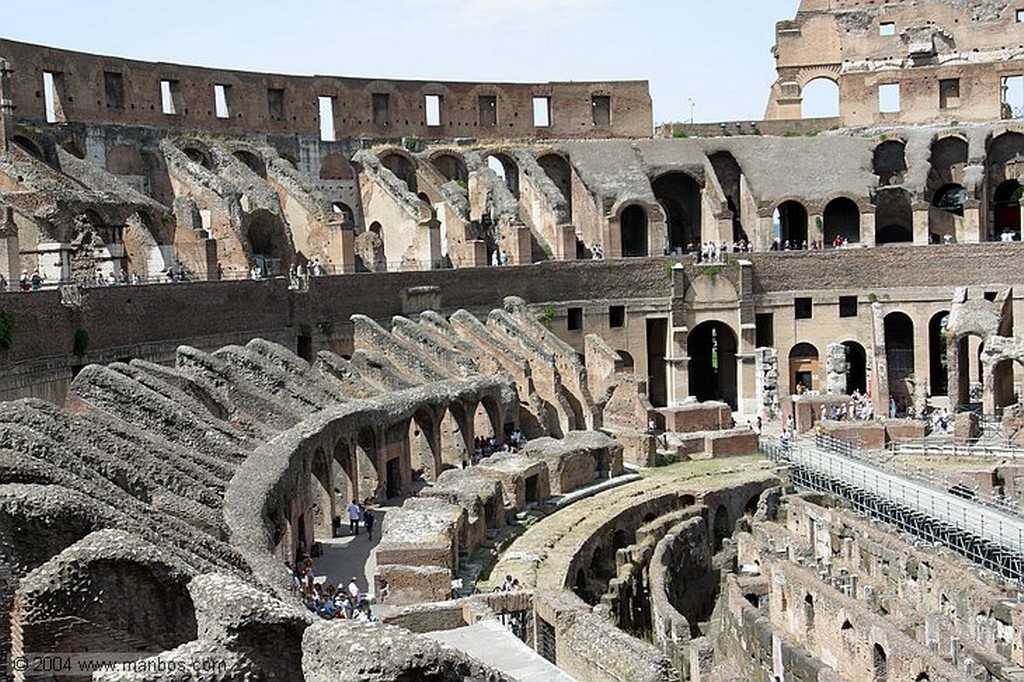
(547,314)
(710,271)
(678,133)
(791,133)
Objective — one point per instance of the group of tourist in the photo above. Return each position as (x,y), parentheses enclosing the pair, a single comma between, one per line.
(329,601)
(484,447)
(499,258)
(710,252)
(860,407)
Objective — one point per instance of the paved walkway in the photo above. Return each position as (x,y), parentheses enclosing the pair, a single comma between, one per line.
(348,555)
(493,644)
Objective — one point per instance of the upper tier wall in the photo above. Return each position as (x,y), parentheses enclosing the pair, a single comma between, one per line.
(100,89)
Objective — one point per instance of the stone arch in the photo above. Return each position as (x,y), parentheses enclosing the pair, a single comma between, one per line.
(451,166)
(841,220)
(424,445)
(1004,168)
(334,166)
(505,168)
(809,613)
(820,96)
(894,217)
(367,465)
(790,219)
(30,146)
(889,162)
(679,195)
(728,171)
(899,354)
(198,154)
(712,348)
(346,478)
(634,228)
(804,367)
(937,354)
(880,663)
(454,434)
(722,526)
(125,160)
(558,169)
(402,165)
(856,367)
(345,210)
(252,161)
(269,243)
(627,360)
(322,498)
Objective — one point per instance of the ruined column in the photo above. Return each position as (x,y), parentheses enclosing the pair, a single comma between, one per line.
(10,249)
(6,106)
(836,369)
(921,226)
(341,258)
(766,380)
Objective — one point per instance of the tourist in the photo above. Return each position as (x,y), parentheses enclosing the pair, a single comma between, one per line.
(494,258)
(508,584)
(354,515)
(504,258)
(368,521)
(354,595)
(25,281)
(37,280)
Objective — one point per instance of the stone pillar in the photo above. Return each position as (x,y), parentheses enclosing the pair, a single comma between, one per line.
(766,381)
(10,250)
(6,107)
(879,385)
(867,229)
(342,256)
(921,225)
(970,226)
(836,369)
(210,251)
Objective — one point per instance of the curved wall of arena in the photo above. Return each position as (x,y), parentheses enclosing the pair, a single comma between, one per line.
(102,89)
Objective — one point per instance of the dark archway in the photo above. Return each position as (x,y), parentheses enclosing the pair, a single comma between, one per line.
(722,527)
(856,367)
(424,446)
(889,162)
(881,664)
(842,221)
(728,172)
(894,218)
(791,217)
(452,167)
(253,162)
(803,368)
(558,169)
(937,359)
(899,354)
(679,196)
(200,156)
(269,243)
(367,465)
(29,146)
(1006,209)
(403,168)
(633,227)
(712,350)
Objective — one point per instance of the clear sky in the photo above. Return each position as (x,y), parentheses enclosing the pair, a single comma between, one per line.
(714,54)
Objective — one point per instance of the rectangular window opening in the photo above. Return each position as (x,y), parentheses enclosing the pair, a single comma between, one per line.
(887,28)
(220,100)
(488,111)
(574,319)
(803,309)
(1020,16)
(169,97)
(601,105)
(326,107)
(949,93)
(542,112)
(113,89)
(53,83)
(432,104)
(889,98)
(617,316)
(381,105)
(847,306)
(275,103)
(1013,97)
(764,330)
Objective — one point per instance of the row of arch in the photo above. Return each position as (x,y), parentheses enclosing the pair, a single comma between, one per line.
(380,462)
(712,348)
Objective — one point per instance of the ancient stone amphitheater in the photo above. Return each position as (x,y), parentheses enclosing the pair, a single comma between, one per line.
(239,301)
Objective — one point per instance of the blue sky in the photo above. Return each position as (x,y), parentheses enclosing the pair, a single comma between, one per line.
(713,53)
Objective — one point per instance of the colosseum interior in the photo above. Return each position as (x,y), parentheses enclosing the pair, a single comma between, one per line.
(725,402)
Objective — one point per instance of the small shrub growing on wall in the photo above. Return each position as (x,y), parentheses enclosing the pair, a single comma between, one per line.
(547,314)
